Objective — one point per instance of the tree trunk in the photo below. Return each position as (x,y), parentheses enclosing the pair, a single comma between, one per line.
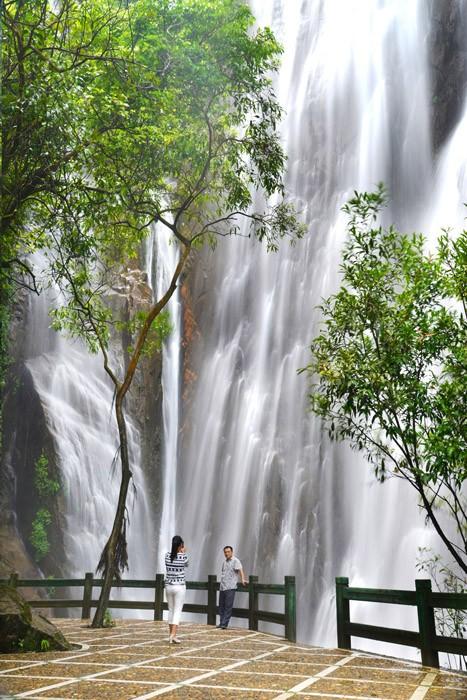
(109,556)
(114,556)
(429,510)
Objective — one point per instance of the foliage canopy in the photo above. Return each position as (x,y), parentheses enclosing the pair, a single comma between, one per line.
(117,115)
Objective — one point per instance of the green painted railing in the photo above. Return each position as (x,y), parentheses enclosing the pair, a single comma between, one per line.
(422,598)
(252,613)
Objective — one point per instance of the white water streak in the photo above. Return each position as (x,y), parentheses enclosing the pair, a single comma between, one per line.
(162,258)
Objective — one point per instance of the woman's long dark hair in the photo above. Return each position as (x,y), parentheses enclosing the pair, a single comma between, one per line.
(176,543)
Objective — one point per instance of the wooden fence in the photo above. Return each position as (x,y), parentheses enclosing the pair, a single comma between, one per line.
(425,601)
(253,614)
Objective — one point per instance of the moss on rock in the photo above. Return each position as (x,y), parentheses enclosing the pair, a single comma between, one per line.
(22,629)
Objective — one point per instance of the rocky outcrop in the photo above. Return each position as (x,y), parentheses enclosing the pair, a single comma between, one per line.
(130,294)
(21,629)
(448,57)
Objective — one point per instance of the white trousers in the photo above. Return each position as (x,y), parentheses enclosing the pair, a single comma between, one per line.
(175,594)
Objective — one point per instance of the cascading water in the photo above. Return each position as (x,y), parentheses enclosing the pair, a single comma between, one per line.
(77,399)
(161,261)
(256,469)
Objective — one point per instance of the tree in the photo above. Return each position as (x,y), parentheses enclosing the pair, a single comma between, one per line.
(388,370)
(53,59)
(182,129)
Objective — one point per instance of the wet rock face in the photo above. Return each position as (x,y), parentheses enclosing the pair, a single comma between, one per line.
(448,57)
(23,629)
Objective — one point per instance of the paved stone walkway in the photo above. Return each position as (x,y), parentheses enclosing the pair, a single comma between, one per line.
(134,660)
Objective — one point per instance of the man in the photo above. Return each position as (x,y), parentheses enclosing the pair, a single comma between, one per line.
(231,571)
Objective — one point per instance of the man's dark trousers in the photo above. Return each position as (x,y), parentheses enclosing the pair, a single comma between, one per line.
(226,601)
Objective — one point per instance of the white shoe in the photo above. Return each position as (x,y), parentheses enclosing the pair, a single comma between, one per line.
(176,641)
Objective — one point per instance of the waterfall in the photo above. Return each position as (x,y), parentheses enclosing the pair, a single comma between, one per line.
(161,261)
(77,399)
(256,470)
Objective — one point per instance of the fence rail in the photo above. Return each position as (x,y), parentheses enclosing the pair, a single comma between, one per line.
(422,598)
(252,613)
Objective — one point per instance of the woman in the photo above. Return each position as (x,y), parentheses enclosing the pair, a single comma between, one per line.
(175,563)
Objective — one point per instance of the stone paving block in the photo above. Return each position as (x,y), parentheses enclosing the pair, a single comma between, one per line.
(112,642)
(376,674)
(253,644)
(268,666)
(164,649)
(222,652)
(147,651)
(254,681)
(196,642)
(21,685)
(326,659)
(153,674)
(5,664)
(199,662)
(446,694)
(117,658)
(64,670)
(31,656)
(150,650)
(99,690)
(362,688)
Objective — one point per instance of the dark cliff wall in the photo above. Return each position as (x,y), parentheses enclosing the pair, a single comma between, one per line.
(447,50)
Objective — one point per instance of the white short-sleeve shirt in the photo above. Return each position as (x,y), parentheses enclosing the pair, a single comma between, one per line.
(229,575)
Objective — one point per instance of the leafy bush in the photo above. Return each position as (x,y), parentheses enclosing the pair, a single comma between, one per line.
(38,538)
(45,486)
(449,622)
(108,619)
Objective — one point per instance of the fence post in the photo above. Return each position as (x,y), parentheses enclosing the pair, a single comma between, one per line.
(252,603)
(159,597)
(212,599)
(13,580)
(87,596)
(343,613)
(426,623)
(290,609)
